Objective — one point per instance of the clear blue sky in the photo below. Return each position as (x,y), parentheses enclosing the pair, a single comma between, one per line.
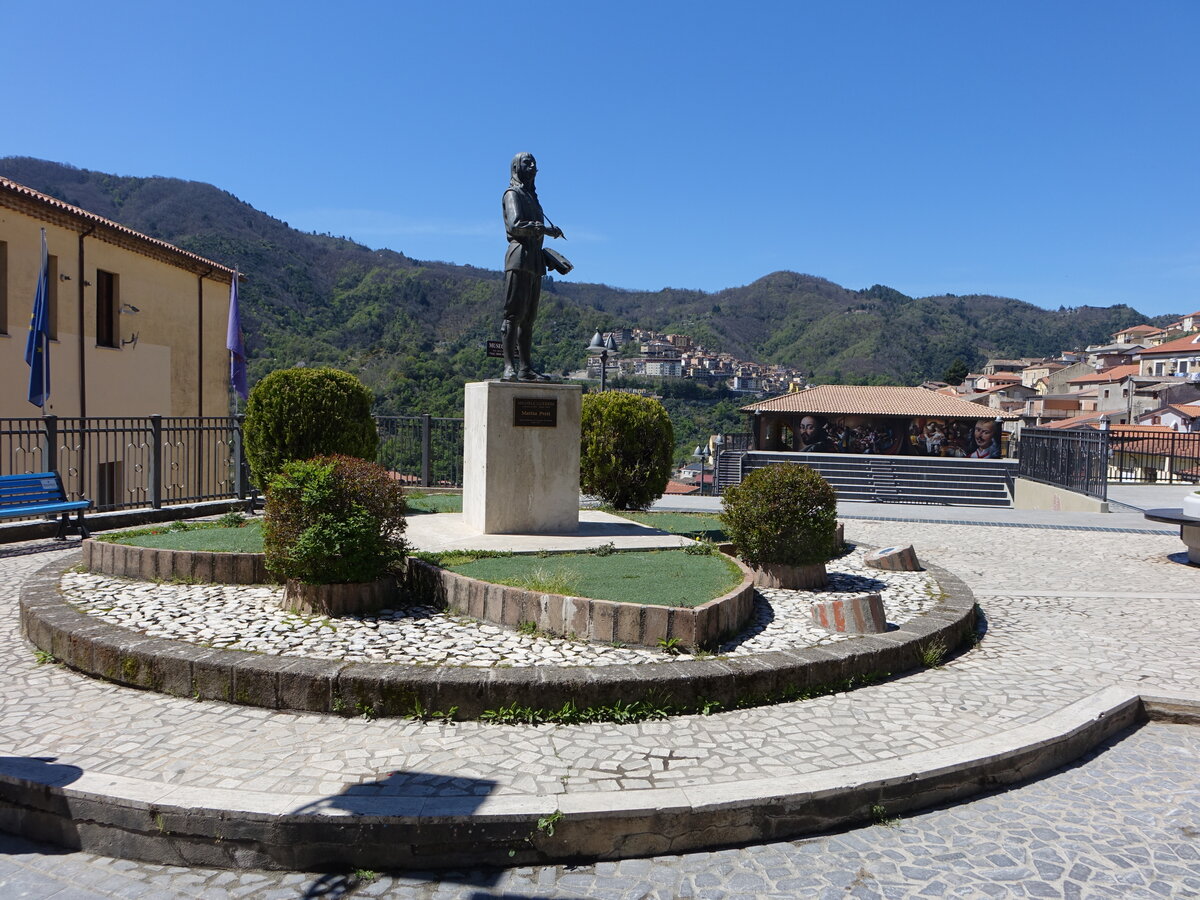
(1044,151)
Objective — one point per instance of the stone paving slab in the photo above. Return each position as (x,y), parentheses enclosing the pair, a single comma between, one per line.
(1119,824)
(1040,655)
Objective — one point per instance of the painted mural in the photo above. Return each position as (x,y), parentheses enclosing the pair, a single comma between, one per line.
(964,438)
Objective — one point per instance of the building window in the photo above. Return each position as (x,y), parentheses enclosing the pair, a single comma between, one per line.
(107,297)
(3,287)
(52,299)
(1183,367)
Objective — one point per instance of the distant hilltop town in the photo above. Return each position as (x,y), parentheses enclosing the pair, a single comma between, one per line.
(1145,376)
(641,351)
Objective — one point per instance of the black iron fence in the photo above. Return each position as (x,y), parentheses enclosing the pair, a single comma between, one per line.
(1073,459)
(1153,457)
(1088,460)
(155,461)
(424,450)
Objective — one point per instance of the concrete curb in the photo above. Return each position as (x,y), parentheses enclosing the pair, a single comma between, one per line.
(140,819)
(393,690)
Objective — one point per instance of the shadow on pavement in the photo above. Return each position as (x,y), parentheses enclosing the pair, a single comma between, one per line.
(23,783)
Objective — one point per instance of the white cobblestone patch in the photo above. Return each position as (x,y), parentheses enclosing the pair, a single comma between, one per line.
(239,617)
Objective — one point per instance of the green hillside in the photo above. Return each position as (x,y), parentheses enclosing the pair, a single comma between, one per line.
(414,331)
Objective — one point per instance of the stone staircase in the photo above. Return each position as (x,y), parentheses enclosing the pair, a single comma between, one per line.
(890,479)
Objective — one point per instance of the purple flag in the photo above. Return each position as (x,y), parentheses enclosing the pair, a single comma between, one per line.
(37,345)
(235,344)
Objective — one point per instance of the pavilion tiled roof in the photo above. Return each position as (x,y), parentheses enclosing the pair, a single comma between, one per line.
(874,400)
(54,210)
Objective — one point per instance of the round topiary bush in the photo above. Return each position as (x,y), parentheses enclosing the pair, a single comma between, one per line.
(782,515)
(626,449)
(302,413)
(333,520)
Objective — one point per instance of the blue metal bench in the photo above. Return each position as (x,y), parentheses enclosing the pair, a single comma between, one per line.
(38,494)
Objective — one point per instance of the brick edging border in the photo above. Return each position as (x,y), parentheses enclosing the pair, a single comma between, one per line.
(182,669)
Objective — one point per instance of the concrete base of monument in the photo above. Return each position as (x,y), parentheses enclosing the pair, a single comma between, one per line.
(521,457)
(451,531)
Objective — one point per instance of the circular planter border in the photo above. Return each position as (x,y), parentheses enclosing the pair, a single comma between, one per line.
(159,564)
(634,624)
(606,621)
(395,690)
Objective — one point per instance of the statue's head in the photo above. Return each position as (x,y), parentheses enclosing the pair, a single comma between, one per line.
(524,169)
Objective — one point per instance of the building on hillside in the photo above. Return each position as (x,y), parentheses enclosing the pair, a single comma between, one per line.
(1047,408)
(1184,325)
(1058,381)
(1178,357)
(137,325)
(1035,372)
(876,420)
(997,366)
(1111,355)
(1184,417)
(1138,334)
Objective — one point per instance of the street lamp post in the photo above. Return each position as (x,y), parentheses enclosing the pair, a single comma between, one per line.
(699,454)
(600,346)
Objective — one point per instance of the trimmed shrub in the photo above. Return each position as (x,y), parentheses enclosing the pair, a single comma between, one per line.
(782,514)
(626,450)
(302,413)
(333,520)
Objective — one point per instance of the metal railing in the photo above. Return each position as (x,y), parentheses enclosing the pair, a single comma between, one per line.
(425,450)
(1074,459)
(156,461)
(1159,457)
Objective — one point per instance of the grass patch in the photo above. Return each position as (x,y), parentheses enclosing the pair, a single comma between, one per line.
(194,536)
(419,504)
(660,578)
(693,525)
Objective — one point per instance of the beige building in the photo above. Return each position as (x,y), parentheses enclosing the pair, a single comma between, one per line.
(137,325)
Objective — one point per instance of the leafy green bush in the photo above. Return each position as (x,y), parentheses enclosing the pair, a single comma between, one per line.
(627,445)
(302,413)
(784,514)
(333,520)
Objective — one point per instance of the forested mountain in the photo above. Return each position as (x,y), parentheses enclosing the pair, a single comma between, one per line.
(414,331)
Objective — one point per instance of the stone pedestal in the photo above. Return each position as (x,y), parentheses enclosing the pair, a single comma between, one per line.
(521,457)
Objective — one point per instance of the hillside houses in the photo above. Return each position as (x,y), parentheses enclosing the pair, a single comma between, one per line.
(1144,376)
(661,355)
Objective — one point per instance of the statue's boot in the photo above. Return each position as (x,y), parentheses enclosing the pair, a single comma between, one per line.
(527,373)
(508,340)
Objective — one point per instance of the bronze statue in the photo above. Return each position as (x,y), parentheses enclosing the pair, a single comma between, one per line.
(524,265)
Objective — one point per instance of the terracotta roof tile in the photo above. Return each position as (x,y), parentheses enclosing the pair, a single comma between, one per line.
(114,229)
(1116,373)
(1185,344)
(874,400)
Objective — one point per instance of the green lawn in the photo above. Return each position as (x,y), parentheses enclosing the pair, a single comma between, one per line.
(195,536)
(660,578)
(693,525)
(419,503)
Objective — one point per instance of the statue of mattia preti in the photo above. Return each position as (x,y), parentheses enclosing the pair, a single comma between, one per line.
(524,265)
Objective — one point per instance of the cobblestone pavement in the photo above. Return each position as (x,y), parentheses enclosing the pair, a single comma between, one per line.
(1068,611)
(1123,823)
(1061,625)
(236,617)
